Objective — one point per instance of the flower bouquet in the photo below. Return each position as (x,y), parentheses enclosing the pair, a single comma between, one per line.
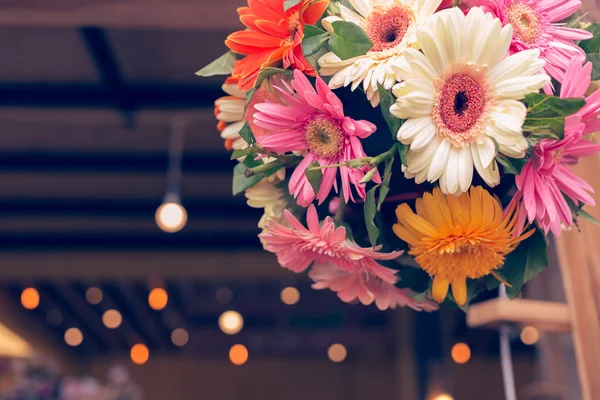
(411,152)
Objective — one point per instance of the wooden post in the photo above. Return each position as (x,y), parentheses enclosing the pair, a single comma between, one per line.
(579,257)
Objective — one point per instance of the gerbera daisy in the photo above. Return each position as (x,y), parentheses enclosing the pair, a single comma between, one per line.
(229,110)
(547,177)
(391,26)
(460,99)
(297,247)
(274,36)
(266,195)
(314,121)
(352,286)
(455,238)
(536,25)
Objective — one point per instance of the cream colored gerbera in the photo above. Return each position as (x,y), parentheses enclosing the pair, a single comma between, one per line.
(266,195)
(229,110)
(391,26)
(460,98)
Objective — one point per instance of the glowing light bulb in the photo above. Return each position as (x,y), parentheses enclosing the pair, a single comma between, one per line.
(443,396)
(140,354)
(73,337)
(238,354)
(337,352)
(158,299)
(461,353)
(290,296)
(112,319)
(171,217)
(530,335)
(231,322)
(30,298)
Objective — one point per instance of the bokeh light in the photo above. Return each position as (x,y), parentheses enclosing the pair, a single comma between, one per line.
(337,352)
(180,337)
(73,337)
(30,298)
(443,396)
(231,322)
(461,353)
(112,319)
(140,354)
(171,217)
(93,295)
(290,296)
(238,354)
(158,299)
(530,335)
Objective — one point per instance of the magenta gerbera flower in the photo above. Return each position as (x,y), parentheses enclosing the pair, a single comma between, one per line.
(314,122)
(297,247)
(547,176)
(352,286)
(536,26)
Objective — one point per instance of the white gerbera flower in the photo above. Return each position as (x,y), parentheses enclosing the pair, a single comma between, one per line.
(460,98)
(391,26)
(229,110)
(266,195)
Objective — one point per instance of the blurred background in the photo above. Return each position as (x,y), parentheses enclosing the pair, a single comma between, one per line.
(99,105)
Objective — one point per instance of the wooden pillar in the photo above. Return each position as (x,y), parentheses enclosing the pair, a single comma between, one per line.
(579,257)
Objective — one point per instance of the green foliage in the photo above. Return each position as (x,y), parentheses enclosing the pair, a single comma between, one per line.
(588,217)
(348,40)
(403,151)
(314,176)
(314,39)
(221,66)
(243,152)
(290,3)
(525,263)
(385,185)
(546,115)
(386,101)
(240,181)
(247,135)
(370,210)
(592,49)
(578,211)
(511,165)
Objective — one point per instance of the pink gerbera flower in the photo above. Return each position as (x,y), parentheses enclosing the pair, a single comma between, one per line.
(351,286)
(297,247)
(546,178)
(314,121)
(536,25)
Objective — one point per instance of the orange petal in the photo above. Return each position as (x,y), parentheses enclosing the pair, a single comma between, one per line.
(439,289)
(459,290)
(273,29)
(314,11)
(264,11)
(257,40)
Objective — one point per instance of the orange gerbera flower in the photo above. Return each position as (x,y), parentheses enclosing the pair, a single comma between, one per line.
(273,36)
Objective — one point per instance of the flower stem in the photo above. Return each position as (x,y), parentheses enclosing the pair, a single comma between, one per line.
(265,168)
(384,156)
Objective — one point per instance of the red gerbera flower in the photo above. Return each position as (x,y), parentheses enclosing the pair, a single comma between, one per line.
(274,36)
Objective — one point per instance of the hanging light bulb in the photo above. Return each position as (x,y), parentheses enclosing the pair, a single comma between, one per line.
(171,217)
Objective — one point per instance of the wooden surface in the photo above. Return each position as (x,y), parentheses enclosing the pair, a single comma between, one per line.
(579,256)
(547,316)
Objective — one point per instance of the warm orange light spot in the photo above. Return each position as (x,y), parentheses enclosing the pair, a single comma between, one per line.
(443,396)
(140,354)
(112,319)
(73,337)
(30,298)
(158,299)
(461,353)
(337,352)
(231,322)
(290,296)
(93,295)
(238,354)
(530,335)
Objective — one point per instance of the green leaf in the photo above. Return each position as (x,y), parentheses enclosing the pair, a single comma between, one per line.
(314,176)
(546,115)
(511,165)
(314,39)
(221,66)
(386,101)
(314,58)
(385,186)
(403,151)
(370,210)
(243,152)
(247,135)
(268,72)
(290,3)
(592,49)
(588,217)
(240,181)
(249,95)
(348,40)
(525,262)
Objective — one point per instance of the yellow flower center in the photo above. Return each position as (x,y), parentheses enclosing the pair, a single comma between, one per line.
(387,25)
(525,22)
(324,136)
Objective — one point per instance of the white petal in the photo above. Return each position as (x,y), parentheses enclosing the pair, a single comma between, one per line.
(414,99)
(233,89)
(423,138)
(517,88)
(420,160)
(328,21)
(232,131)
(362,6)
(487,151)
(439,161)
(450,183)
(465,169)
(491,174)
(516,65)
(350,15)
(412,127)
(434,46)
